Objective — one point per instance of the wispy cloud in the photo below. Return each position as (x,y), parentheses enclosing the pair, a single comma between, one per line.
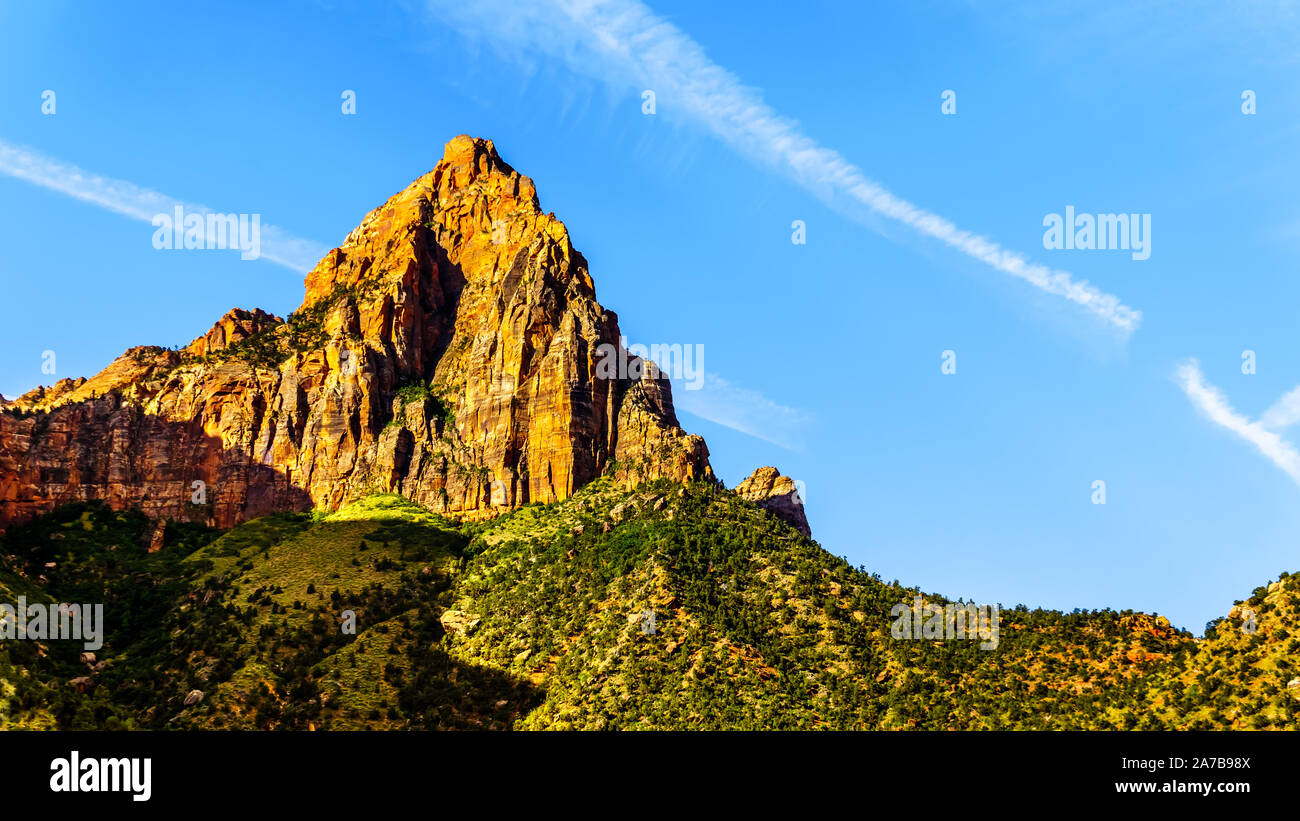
(624,43)
(1211,401)
(130,200)
(745,410)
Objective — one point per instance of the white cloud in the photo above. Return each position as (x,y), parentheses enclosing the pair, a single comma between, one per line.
(624,43)
(130,200)
(745,410)
(1211,401)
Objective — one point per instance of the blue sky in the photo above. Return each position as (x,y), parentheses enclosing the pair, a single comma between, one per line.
(975,484)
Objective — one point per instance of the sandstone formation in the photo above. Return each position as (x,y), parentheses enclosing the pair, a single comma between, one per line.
(447,351)
(767,488)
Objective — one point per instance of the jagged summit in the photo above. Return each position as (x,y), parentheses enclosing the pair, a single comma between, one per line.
(447,350)
(469,190)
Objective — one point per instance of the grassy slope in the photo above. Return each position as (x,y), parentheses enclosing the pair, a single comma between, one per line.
(754,626)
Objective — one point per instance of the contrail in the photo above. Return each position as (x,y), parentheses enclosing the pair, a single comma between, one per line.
(1211,402)
(130,200)
(1284,413)
(623,42)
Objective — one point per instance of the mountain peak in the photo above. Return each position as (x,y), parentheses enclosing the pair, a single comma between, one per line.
(472,201)
(467,158)
(448,350)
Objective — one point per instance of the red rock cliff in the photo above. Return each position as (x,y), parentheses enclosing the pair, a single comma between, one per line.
(447,351)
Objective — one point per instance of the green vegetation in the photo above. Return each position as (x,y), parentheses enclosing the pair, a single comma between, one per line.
(437,405)
(85,553)
(668,606)
(1238,677)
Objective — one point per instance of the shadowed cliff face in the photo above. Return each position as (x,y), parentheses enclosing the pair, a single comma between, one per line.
(448,350)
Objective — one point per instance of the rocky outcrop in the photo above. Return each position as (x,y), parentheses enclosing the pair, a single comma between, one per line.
(768,489)
(458,622)
(448,350)
(233,328)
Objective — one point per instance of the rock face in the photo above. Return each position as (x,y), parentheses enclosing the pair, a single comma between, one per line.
(448,350)
(767,488)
